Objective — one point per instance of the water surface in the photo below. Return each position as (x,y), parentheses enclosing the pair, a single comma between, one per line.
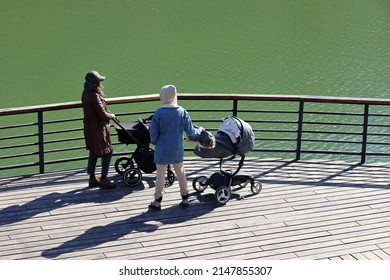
(316,47)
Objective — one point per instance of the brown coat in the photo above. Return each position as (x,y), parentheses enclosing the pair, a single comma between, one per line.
(96,123)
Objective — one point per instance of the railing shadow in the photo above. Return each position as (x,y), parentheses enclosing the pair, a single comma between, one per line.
(98,235)
(56,200)
(268,172)
(322,174)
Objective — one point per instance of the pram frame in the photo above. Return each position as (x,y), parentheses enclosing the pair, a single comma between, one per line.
(223,181)
(132,175)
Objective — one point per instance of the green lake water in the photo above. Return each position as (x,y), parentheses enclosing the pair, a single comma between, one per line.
(314,47)
(305,47)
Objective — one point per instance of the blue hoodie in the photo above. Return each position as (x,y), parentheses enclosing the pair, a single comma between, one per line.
(167,134)
(169,123)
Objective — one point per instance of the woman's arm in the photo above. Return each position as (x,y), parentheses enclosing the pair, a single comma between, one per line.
(100,108)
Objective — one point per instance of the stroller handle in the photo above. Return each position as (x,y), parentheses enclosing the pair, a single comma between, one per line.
(118,123)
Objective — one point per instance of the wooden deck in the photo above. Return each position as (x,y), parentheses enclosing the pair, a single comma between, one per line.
(306,210)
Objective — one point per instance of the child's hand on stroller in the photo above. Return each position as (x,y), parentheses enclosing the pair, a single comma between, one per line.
(112,116)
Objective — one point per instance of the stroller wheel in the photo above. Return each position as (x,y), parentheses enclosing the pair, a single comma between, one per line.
(199,183)
(222,195)
(121,164)
(132,177)
(170,178)
(256,187)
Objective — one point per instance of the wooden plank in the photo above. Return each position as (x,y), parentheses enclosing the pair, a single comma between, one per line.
(306,210)
(382,254)
(371,256)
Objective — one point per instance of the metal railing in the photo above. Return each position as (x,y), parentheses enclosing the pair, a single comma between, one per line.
(36,137)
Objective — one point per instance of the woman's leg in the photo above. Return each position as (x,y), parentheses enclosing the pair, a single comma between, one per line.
(92,160)
(160,181)
(106,159)
(104,182)
(182,178)
(159,187)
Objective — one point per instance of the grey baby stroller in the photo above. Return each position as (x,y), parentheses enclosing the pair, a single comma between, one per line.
(234,138)
(142,159)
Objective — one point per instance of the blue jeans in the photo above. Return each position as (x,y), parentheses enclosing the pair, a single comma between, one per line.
(92,160)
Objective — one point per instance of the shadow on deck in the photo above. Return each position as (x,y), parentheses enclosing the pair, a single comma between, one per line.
(306,210)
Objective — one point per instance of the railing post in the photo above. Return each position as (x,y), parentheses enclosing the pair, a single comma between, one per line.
(364,135)
(235,107)
(41,145)
(299,131)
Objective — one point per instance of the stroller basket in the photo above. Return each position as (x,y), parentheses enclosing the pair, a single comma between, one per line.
(144,159)
(139,132)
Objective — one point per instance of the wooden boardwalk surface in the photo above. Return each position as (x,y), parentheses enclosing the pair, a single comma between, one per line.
(306,210)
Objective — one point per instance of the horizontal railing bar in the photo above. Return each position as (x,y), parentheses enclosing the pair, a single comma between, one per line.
(76,104)
(62,131)
(65,149)
(208,110)
(19,155)
(379,143)
(378,134)
(379,125)
(63,140)
(19,146)
(332,123)
(66,160)
(278,139)
(18,126)
(332,113)
(274,150)
(274,130)
(330,141)
(331,152)
(62,121)
(203,96)
(281,121)
(269,111)
(296,98)
(19,166)
(377,154)
(276,121)
(332,132)
(19,136)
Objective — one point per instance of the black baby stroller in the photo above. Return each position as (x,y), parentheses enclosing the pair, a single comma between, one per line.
(234,137)
(142,158)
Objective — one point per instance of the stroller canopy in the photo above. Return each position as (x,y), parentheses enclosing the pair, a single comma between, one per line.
(234,136)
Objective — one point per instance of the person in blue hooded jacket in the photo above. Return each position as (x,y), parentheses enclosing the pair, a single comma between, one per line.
(169,123)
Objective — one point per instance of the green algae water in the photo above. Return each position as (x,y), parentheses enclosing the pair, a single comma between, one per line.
(315,47)
(304,47)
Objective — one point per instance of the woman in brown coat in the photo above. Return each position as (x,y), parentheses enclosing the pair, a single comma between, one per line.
(97,129)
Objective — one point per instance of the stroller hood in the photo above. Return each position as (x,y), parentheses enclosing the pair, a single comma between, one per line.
(247,142)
